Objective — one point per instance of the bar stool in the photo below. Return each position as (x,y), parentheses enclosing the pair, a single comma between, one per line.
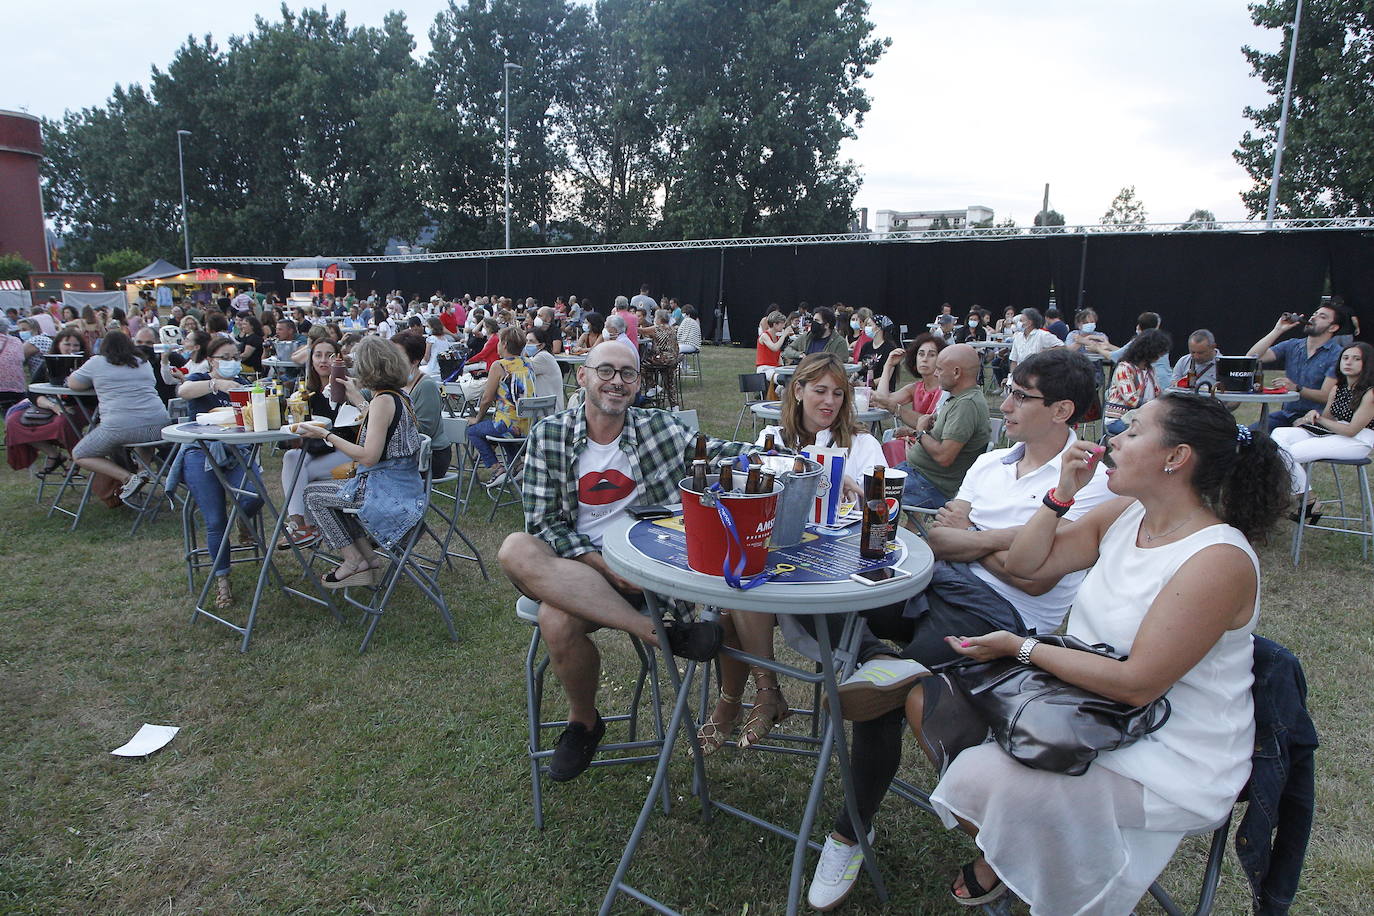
(1345,523)
(637,750)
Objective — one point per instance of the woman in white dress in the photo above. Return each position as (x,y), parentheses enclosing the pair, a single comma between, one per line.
(817,410)
(1174,585)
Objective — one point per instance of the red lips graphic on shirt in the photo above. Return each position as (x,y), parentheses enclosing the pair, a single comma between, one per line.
(601,488)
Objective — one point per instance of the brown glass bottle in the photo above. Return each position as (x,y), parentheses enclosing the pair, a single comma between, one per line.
(727,478)
(873,531)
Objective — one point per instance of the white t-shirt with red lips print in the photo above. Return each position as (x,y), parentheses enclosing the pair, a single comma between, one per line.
(604,488)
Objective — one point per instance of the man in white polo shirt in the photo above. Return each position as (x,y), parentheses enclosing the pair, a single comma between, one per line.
(970,593)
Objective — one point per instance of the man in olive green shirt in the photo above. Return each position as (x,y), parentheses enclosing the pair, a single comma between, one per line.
(946,444)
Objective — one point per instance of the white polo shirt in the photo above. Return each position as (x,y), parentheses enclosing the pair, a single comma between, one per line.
(1039,340)
(998,499)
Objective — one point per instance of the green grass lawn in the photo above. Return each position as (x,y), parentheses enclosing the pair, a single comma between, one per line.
(308,779)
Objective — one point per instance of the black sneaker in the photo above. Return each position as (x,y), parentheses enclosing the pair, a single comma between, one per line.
(575,749)
(697,641)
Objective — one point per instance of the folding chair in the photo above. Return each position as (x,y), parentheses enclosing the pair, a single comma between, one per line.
(750,383)
(73,479)
(689,419)
(608,753)
(1342,522)
(403,562)
(163,454)
(455,429)
(508,492)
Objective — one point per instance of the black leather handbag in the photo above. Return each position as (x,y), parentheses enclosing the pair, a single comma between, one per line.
(1046,723)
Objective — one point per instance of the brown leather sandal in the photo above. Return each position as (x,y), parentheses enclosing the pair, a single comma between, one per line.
(713,734)
(764,715)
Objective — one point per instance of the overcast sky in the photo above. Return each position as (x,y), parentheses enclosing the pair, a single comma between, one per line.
(976,102)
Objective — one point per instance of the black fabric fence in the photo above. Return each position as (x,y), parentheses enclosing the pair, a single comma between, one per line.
(1233,283)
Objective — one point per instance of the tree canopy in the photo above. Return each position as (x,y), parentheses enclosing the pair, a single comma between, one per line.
(1126,210)
(629,120)
(1327,170)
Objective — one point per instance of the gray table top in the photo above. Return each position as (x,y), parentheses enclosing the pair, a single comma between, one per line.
(811,598)
(175,433)
(1245,397)
(57,390)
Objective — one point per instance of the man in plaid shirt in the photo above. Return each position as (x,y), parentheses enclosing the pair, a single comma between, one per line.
(584,467)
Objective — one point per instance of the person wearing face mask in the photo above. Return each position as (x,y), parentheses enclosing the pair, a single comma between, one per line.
(878,344)
(820,337)
(858,332)
(974,329)
(1031,337)
(548,329)
(145,342)
(36,343)
(203,392)
(1084,334)
(548,375)
(438,343)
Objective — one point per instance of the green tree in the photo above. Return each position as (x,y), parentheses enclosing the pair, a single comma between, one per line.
(1051,221)
(1326,170)
(1199,219)
(1126,210)
(121,263)
(757,98)
(15,267)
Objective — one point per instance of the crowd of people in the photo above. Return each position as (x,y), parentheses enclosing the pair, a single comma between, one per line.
(1151,554)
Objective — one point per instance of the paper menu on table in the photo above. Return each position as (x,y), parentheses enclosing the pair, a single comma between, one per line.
(148,739)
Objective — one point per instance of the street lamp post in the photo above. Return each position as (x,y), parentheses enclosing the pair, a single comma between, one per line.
(1283,118)
(181,167)
(508,68)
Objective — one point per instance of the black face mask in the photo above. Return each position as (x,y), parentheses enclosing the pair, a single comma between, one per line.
(818,328)
(147,352)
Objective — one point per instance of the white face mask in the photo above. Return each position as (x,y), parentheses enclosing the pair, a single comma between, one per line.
(871,331)
(973,322)
(539,322)
(1089,327)
(854,324)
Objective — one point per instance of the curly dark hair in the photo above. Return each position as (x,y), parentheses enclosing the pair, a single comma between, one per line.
(1239,472)
(1147,347)
(909,360)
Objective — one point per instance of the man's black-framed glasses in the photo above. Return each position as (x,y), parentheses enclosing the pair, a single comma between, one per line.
(606,372)
(1019,396)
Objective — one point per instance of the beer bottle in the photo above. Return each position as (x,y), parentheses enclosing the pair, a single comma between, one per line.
(873,531)
(701,448)
(752,482)
(770,444)
(699,476)
(766,482)
(727,480)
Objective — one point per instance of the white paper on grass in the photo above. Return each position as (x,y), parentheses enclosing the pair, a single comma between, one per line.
(149,738)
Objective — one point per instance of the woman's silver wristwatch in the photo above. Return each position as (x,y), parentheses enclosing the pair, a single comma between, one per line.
(1023,654)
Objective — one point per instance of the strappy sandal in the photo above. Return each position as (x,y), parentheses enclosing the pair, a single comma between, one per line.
(712,735)
(977,894)
(763,716)
(224,595)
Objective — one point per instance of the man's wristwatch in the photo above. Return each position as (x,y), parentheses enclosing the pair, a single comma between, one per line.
(920,434)
(1023,654)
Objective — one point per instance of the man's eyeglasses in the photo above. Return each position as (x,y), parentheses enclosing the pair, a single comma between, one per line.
(607,372)
(1019,396)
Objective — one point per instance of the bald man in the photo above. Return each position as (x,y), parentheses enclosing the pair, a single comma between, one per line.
(584,467)
(943,446)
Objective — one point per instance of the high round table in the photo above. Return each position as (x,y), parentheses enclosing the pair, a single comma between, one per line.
(783,373)
(245,457)
(661,580)
(281,366)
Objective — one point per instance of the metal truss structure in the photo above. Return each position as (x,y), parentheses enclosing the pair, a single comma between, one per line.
(989,234)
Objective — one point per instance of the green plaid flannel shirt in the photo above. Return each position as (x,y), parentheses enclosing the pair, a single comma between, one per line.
(659,448)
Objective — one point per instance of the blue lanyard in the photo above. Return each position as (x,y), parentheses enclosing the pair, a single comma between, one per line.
(731,572)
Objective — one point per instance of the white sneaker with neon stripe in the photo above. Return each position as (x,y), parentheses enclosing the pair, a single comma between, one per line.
(879,686)
(836,873)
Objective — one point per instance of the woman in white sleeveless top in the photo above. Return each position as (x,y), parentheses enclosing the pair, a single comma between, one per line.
(1173,584)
